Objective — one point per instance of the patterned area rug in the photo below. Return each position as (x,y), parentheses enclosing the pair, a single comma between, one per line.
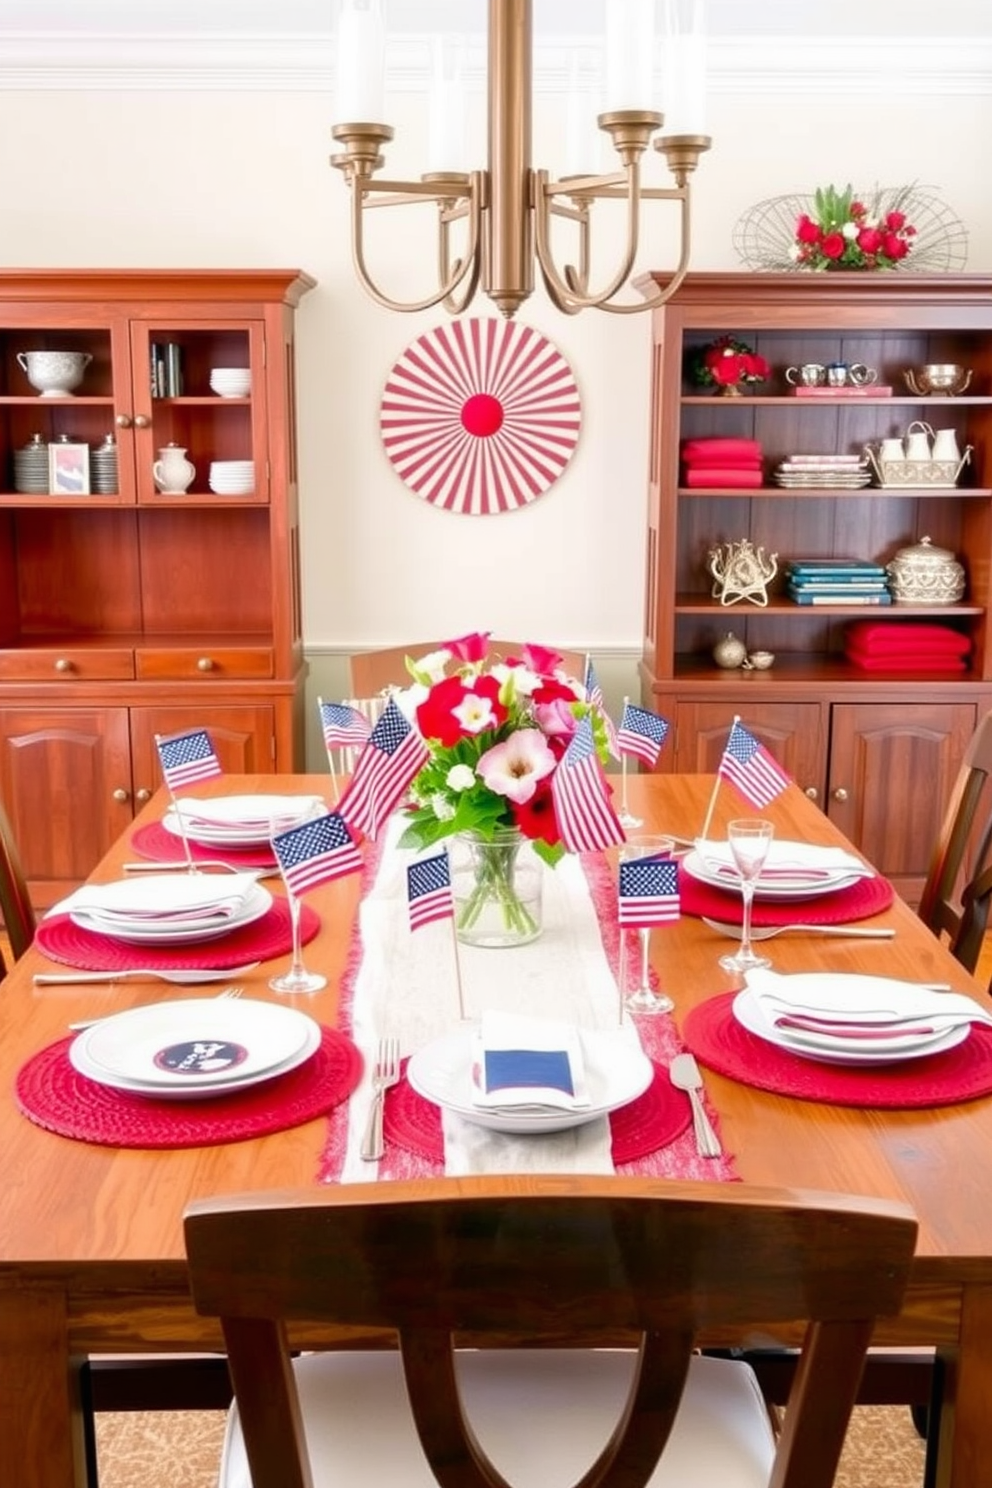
(182,1450)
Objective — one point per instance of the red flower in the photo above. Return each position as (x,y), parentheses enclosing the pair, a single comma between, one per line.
(755,366)
(442,714)
(470,648)
(895,220)
(869,240)
(808,231)
(833,245)
(536,817)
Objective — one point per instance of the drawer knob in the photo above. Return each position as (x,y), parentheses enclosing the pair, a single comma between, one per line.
(205,664)
(812,792)
(143,795)
(63,664)
(840,794)
(120,794)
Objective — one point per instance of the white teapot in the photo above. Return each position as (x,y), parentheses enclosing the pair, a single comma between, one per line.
(173,473)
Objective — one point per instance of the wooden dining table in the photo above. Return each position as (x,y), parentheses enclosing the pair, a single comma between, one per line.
(91,1240)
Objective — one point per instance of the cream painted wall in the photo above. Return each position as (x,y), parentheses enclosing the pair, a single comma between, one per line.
(237,178)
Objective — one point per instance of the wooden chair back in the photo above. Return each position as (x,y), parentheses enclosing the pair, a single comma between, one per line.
(371,671)
(956,895)
(15,902)
(576,1260)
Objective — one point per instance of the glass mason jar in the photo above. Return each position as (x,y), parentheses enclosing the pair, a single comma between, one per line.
(496,885)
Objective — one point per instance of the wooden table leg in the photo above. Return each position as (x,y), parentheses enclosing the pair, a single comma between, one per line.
(40,1424)
(963,1450)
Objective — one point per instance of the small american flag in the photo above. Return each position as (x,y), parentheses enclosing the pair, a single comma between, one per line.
(392,756)
(642,733)
(585,816)
(747,764)
(186,758)
(428,890)
(594,697)
(343,727)
(649,892)
(316,852)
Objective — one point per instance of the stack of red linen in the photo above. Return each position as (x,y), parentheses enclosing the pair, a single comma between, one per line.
(906,647)
(721,462)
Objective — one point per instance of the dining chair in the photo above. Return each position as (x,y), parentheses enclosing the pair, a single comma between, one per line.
(956,896)
(15,901)
(372,671)
(547,1329)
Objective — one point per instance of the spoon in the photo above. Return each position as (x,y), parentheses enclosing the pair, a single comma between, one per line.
(766,932)
(184,978)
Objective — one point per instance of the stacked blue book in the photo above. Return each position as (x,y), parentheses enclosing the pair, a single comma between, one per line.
(836,581)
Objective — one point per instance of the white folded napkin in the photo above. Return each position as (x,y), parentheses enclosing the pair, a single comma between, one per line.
(246,811)
(524,1062)
(164,898)
(798,861)
(831,1007)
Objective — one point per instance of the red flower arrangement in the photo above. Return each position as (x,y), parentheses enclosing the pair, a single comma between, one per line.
(727,363)
(848,234)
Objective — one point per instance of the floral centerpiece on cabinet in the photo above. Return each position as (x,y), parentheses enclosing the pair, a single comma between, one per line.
(844,232)
(729,365)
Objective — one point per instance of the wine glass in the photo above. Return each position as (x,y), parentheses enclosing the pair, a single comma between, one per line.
(642,998)
(296,978)
(749,839)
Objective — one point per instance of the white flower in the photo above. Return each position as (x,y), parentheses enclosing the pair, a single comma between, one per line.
(409,699)
(460,778)
(442,807)
(430,668)
(475,713)
(795,251)
(850,231)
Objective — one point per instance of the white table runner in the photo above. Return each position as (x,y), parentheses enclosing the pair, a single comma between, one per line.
(405,984)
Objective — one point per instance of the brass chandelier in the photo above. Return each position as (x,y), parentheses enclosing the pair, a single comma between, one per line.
(507,209)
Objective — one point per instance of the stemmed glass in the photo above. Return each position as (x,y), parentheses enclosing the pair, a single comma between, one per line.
(643,998)
(749,839)
(296,978)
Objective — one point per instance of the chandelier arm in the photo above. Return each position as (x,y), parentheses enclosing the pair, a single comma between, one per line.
(460,271)
(573,288)
(453,271)
(661,295)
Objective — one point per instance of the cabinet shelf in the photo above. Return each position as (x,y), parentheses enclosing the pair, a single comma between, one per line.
(697,604)
(739,493)
(858,400)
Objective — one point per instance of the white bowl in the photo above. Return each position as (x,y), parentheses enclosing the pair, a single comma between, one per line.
(54,374)
(231,382)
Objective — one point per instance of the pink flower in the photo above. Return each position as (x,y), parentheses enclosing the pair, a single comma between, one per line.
(515,768)
(471,648)
(540,659)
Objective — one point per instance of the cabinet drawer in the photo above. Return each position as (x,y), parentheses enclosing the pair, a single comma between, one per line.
(50,664)
(187,662)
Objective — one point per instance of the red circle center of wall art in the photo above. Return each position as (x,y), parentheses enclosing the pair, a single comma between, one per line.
(480,416)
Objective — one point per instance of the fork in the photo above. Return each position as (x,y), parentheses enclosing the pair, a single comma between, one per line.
(228,992)
(385,1073)
(767,932)
(182,978)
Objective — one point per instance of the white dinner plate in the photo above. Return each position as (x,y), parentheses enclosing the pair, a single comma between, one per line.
(749,1014)
(780,887)
(194,1045)
(616,1068)
(238,821)
(258,901)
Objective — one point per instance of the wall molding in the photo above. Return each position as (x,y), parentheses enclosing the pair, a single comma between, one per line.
(217,62)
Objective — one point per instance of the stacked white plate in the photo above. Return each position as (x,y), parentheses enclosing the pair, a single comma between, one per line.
(616,1071)
(836,472)
(793,870)
(195,1048)
(232,477)
(231,382)
(836,1018)
(160,909)
(239,821)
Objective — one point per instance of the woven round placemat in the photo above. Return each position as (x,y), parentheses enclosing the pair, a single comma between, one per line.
(868,896)
(267,937)
(153,841)
(52,1094)
(717,1039)
(652,1121)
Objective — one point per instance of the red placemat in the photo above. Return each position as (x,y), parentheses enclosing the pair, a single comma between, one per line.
(266,938)
(868,896)
(716,1038)
(652,1121)
(153,841)
(52,1094)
